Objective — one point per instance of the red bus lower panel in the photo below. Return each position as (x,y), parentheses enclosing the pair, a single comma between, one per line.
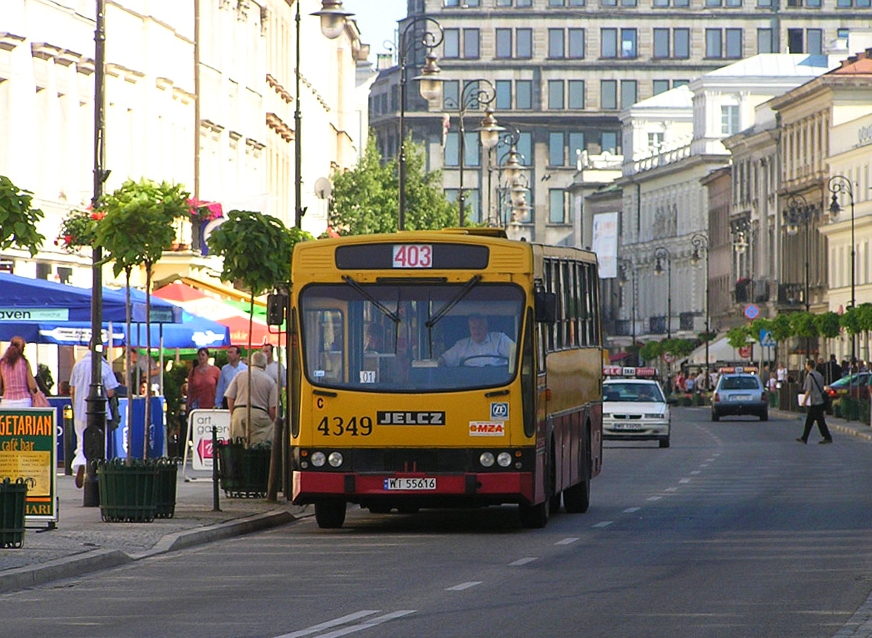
(485,488)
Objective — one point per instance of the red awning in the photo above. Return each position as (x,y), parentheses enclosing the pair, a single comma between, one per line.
(618,357)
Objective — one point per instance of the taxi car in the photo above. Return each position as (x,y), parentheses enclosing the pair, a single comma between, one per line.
(739,393)
(635,410)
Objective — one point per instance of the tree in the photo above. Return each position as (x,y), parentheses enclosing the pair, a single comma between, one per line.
(366,198)
(136,230)
(18,219)
(257,250)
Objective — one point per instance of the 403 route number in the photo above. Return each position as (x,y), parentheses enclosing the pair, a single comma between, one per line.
(337,426)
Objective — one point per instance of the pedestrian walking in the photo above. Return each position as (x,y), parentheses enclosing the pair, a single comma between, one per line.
(17,384)
(813,392)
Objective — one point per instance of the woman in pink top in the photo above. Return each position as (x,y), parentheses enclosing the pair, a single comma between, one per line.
(17,385)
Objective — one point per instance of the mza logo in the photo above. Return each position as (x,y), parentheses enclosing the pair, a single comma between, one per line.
(486,428)
(499,411)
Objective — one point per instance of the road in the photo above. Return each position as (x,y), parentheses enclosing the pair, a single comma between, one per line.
(734,531)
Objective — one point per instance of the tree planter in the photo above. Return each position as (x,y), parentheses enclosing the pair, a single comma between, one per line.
(12,508)
(167,475)
(128,493)
(244,472)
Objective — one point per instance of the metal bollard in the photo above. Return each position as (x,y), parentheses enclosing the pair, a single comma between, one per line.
(215,505)
(69,434)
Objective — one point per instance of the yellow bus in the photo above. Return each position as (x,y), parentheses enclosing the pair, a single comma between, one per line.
(450,368)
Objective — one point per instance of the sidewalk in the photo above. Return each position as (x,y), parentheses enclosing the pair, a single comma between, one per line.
(837,426)
(83,543)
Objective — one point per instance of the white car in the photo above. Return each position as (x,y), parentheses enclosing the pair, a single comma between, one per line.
(635,410)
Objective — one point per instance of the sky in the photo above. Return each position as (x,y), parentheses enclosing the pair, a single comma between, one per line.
(377,20)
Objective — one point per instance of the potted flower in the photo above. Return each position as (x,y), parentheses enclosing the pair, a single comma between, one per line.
(78,230)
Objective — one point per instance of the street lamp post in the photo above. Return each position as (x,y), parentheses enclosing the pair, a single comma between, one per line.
(627,265)
(799,212)
(700,241)
(508,166)
(430,86)
(474,96)
(841,184)
(660,254)
(332,25)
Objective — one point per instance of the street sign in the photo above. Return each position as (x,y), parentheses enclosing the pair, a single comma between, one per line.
(668,357)
(766,339)
(752,311)
(745,352)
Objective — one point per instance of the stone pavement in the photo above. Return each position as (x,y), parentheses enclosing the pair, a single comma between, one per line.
(83,543)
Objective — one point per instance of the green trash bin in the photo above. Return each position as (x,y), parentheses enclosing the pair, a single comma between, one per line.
(244,472)
(128,493)
(167,478)
(13,497)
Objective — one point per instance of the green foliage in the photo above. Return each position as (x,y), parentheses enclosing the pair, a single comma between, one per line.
(738,337)
(18,219)
(780,327)
(802,324)
(366,198)
(759,325)
(138,226)
(679,347)
(79,229)
(828,325)
(651,350)
(256,249)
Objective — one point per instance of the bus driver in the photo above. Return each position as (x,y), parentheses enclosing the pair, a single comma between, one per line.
(481,348)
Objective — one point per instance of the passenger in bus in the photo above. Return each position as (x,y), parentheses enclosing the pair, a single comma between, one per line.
(481,348)
(375,338)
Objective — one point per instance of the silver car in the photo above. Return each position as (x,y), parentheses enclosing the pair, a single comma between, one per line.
(635,409)
(739,394)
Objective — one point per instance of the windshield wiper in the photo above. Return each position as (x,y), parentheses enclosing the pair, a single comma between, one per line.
(387,312)
(469,285)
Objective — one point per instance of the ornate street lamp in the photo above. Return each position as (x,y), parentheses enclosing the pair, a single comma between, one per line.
(332,25)
(660,254)
(508,166)
(429,83)
(627,266)
(474,96)
(798,212)
(700,241)
(841,184)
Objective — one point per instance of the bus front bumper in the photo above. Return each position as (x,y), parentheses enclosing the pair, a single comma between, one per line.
(472,488)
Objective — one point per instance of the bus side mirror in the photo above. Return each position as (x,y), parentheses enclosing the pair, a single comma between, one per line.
(546,306)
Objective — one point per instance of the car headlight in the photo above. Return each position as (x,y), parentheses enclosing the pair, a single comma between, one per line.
(335,459)
(486,459)
(654,415)
(319,459)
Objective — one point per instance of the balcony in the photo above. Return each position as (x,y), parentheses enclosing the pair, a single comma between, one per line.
(790,295)
(657,325)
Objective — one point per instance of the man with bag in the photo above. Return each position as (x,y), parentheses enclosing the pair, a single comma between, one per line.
(814,398)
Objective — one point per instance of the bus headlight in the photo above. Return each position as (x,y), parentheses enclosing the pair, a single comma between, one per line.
(504,459)
(335,459)
(318,459)
(486,459)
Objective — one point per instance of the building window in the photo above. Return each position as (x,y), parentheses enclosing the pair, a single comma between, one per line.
(608,43)
(661,86)
(470,44)
(557,206)
(661,43)
(730,119)
(555,43)
(713,43)
(764,3)
(576,145)
(842,33)
(677,83)
(628,43)
(451,45)
(661,3)
(814,39)
(504,43)
(555,149)
(556,100)
(609,3)
(576,43)
(764,41)
(609,94)
(576,94)
(610,142)
(450,94)
(655,141)
(524,3)
(452,149)
(681,43)
(524,43)
(472,151)
(524,95)
(734,43)
(504,3)
(713,3)
(733,3)
(503,90)
(628,93)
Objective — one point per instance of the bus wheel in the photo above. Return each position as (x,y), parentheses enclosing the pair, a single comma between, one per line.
(330,514)
(534,516)
(576,499)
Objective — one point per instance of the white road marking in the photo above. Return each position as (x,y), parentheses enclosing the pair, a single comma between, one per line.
(314,629)
(566,541)
(603,524)
(630,510)
(368,624)
(670,489)
(695,472)
(463,586)
(653,498)
(684,481)
(523,561)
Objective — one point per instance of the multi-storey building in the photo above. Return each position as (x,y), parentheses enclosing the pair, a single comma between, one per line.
(562,70)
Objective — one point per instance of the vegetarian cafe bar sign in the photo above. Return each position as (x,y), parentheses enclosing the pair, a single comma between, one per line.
(28,450)
(34,314)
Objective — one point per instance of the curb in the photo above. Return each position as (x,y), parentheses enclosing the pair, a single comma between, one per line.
(100,559)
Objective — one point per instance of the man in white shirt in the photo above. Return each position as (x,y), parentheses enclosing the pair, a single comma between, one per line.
(80,388)
(274,369)
(481,348)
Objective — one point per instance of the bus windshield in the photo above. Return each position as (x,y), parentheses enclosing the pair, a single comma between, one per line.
(410,337)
